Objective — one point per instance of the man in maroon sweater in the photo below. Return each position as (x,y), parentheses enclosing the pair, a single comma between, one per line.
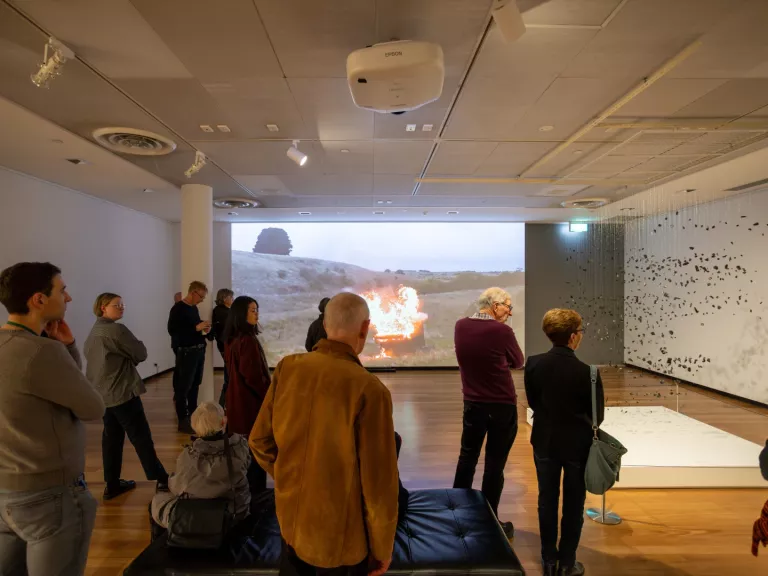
(487,350)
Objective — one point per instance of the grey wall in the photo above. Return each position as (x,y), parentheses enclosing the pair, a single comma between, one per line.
(582,271)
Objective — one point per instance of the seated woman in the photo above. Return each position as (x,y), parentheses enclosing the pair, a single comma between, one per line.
(201,469)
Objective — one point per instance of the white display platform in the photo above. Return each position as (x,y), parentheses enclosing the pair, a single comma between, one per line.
(667,449)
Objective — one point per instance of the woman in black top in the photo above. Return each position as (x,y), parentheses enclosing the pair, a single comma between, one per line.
(316,330)
(224,299)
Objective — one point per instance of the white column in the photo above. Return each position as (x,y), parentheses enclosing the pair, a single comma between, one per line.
(197,260)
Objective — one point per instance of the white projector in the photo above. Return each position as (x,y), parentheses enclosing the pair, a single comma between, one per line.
(396,76)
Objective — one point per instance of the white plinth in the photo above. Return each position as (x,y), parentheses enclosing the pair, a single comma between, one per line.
(667,449)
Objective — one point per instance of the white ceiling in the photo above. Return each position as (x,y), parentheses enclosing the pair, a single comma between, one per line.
(173,65)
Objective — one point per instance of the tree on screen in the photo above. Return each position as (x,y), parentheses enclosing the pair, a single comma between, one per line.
(273,241)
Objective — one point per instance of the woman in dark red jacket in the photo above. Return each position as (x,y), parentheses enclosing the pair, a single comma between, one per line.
(249,376)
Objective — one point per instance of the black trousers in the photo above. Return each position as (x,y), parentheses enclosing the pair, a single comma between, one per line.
(292,565)
(187,376)
(129,418)
(548,472)
(499,422)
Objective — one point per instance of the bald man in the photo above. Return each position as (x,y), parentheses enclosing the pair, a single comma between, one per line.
(326,436)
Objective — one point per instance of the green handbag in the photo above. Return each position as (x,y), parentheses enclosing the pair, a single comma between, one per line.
(604,461)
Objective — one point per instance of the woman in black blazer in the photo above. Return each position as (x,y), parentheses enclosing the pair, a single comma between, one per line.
(559,390)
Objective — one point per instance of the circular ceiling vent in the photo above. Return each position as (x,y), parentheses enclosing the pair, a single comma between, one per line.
(132,141)
(590,203)
(240,203)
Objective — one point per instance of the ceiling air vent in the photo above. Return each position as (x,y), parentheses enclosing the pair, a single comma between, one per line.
(132,141)
(749,185)
(239,203)
(590,203)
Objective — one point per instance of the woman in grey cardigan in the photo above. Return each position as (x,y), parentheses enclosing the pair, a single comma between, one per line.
(112,353)
(201,469)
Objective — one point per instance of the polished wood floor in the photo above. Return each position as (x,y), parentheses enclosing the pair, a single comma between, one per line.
(665,532)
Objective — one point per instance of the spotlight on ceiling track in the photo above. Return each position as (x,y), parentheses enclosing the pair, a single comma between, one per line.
(197,165)
(52,64)
(508,20)
(295,154)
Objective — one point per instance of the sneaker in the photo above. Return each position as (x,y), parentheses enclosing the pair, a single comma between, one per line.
(509,529)
(576,570)
(186,428)
(549,568)
(121,488)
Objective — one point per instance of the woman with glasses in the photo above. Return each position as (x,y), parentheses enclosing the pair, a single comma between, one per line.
(249,376)
(112,353)
(559,390)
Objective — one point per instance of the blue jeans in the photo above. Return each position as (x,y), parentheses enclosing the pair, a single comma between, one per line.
(46,533)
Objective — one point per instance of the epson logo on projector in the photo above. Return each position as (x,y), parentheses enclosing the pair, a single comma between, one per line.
(393,53)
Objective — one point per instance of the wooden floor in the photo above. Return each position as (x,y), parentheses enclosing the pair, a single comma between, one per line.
(665,532)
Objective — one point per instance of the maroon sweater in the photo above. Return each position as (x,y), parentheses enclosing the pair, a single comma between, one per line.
(487,350)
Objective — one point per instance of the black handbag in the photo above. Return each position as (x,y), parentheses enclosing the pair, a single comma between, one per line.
(203,523)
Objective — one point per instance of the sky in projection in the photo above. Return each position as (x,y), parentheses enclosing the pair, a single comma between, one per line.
(482,247)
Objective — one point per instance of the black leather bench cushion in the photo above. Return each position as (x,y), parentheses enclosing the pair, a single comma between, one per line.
(444,531)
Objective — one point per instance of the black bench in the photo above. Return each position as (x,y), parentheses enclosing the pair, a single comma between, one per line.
(443,531)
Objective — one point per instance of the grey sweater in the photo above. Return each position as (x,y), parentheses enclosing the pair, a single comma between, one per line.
(112,353)
(43,397)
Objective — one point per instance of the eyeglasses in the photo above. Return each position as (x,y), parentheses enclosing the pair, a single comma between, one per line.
(201,296)
(509,306)
(582,330)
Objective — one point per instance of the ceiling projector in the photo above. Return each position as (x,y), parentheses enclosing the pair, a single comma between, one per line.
(394,77)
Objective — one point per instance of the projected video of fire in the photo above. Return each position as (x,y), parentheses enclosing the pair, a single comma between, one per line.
(397,324)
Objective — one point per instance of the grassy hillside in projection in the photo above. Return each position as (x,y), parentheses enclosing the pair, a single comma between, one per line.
(289,289)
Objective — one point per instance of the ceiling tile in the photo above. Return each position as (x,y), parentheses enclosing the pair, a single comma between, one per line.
(93,29)
(216,41)
(733,99)
(539,51)
(459,158)
(328,111)
(358,158)
(567,105)
(489,108)
(400,157)
(572,12)
(312,39)
(393,184)
(666,97)
(329,184)
(512,158)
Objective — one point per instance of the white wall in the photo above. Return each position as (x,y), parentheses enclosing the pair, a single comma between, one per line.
(696,295)
(100,247)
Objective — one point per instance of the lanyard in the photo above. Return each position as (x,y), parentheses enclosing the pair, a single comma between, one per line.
(17,325)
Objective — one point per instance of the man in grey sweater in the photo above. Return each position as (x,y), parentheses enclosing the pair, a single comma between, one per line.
(46,511)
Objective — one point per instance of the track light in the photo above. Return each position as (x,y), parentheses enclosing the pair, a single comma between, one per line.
(197,165)
(52,64)
(295,154)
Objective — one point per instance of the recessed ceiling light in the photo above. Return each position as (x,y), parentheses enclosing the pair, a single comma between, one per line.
(427,128)
(57,141)
(546,129)
(380,202)
(344,151)
(232,213)
(378,212)
(410,127)
(147,190)
(452,212)
(305,213)
(340,213)
(206,128)
(578,152)
(273,128)
(77,161)
(223,128)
